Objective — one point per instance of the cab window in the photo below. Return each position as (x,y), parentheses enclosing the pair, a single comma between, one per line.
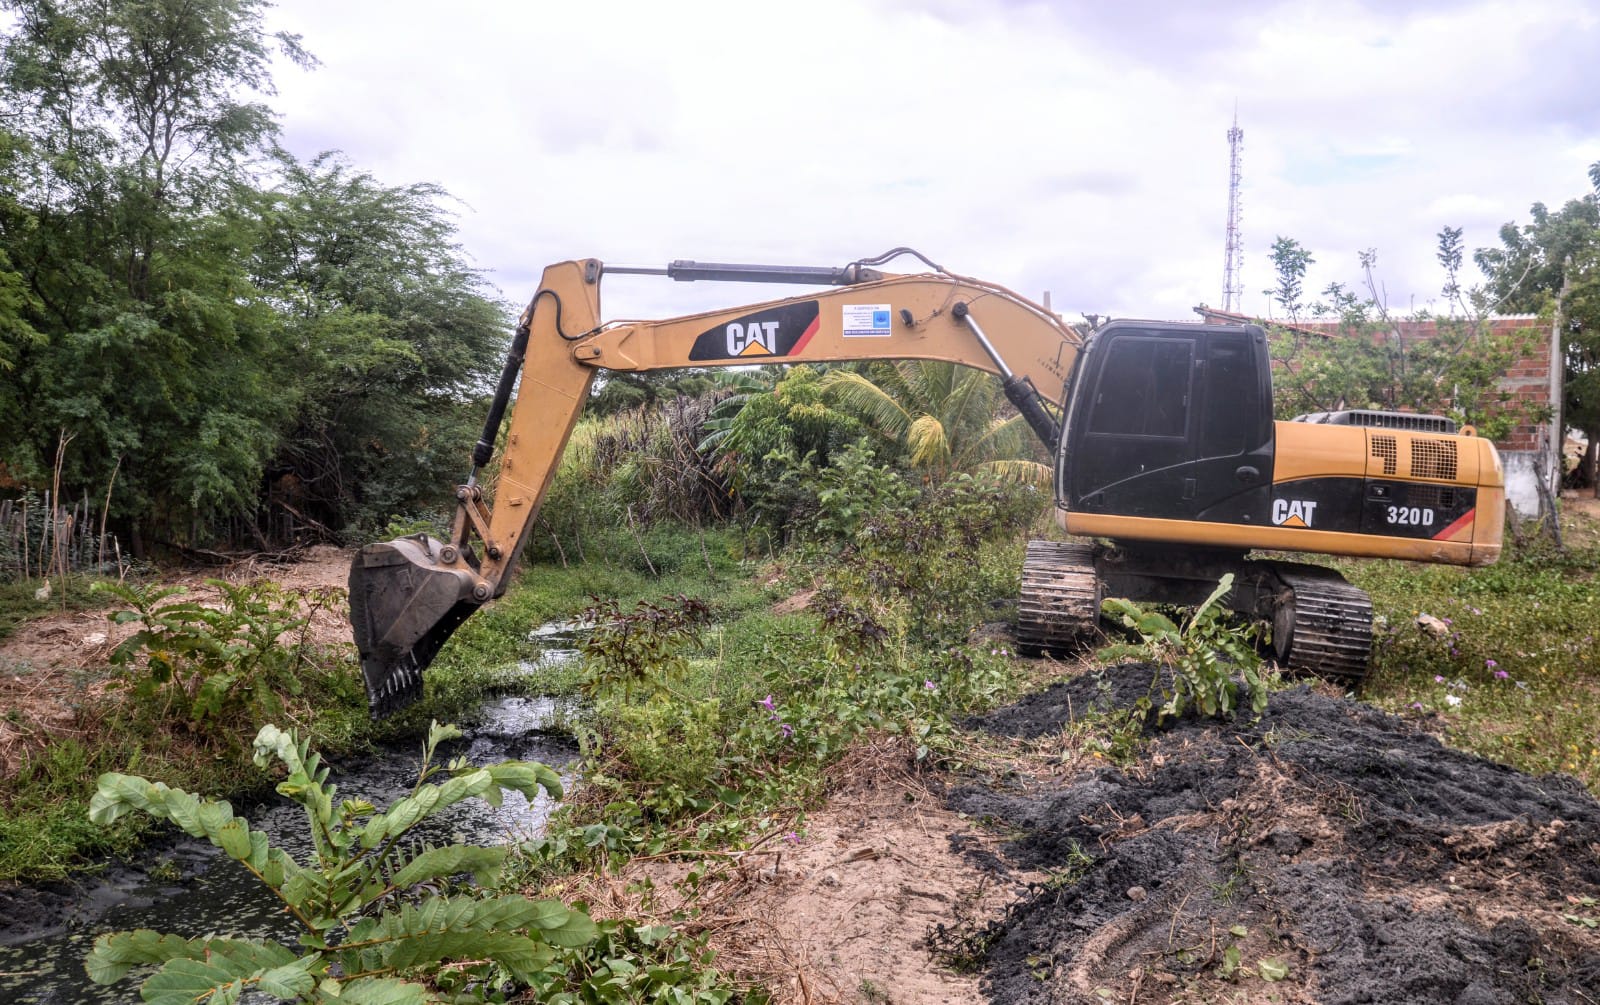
(1144,388)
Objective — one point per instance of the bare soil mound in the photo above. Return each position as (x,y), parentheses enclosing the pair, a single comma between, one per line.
(1327,852)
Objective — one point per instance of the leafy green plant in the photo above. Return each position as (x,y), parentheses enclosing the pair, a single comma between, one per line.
(644,647)
(375,927)
(1215,667)
(221,663)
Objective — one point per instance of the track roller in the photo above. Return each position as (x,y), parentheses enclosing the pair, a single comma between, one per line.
(1060,601)
(1322,624)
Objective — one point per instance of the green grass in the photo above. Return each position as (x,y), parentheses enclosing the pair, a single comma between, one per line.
(1516,677)
(488,651)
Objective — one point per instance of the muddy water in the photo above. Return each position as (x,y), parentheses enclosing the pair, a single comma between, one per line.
(190,888)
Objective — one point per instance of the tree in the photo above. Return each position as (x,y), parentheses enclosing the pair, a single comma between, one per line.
(1372,359)
(940,417)
(200,313)
(1552,266)
(128,143)
(389,342)
(1290,260)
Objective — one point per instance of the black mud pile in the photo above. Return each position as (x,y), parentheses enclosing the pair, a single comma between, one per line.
(1339,847)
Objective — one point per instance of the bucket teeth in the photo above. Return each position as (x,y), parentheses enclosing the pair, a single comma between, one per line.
(403,606)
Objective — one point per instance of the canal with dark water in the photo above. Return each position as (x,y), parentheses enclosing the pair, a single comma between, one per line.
(187,887)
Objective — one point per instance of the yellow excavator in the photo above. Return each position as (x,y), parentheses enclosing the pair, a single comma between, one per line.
(1170,468)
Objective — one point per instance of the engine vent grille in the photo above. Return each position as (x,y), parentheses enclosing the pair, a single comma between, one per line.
(1386,448)
(1435,496)
(1433,459)
(1383,420)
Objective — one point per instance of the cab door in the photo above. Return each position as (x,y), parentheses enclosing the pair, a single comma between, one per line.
(1132,449)
(1234,434)
(1171,421)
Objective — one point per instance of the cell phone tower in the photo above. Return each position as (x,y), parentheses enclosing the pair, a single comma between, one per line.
(1233,254)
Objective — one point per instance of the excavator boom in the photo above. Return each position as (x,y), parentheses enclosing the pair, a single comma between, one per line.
(408,595)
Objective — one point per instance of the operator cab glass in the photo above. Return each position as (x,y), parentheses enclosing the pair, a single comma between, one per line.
(1171,421)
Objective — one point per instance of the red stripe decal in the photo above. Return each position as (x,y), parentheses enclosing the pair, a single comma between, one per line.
(1465,519)
(805,336)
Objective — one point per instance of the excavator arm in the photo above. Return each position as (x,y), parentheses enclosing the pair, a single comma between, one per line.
(408,595)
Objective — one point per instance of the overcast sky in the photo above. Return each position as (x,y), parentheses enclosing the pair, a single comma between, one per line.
(1076,146)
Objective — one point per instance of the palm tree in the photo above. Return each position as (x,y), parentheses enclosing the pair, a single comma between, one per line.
(942,417)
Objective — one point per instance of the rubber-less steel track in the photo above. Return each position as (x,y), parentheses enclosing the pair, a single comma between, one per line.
(1060,601)
(1322,624)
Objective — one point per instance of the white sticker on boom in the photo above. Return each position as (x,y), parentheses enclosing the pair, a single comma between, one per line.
(865,321)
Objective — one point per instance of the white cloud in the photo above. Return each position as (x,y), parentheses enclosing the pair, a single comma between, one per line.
(1077,147)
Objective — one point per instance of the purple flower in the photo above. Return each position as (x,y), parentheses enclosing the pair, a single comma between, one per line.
(1417,705)
(1491,664)
(1500,675)
(1438,679)
(767,703)
(792,837)
(788,730)
(930,685)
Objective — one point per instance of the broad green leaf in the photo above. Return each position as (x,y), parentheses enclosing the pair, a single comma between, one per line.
(438,863)
(292,980)
(114,954)
(234,839)
(382,991)
(1273,969)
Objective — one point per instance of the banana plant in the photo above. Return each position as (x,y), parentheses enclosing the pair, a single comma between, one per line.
(1214,663)
(371,931)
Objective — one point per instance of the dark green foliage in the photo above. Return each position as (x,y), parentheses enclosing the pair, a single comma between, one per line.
(1215,668)
(629,651)
(626,391)
(769,446)
(389,338)
(193,331)
(625,472)
(1552,266)
(915,563)
(1372,360)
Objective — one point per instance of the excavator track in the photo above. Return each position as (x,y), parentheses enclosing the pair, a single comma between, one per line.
(1060,601)
(1322,624)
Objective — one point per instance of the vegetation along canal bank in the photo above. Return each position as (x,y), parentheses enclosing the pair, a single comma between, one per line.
(769,742)
(810,765)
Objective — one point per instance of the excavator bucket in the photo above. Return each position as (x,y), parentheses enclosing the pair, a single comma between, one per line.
(403,606)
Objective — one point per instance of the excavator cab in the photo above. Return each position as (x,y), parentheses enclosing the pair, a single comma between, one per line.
(1170,421)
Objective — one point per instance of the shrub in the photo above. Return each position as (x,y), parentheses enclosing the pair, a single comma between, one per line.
(221,664)
(375,927)
(1215,667)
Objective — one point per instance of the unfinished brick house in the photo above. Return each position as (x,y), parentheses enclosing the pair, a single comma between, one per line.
(1531,450)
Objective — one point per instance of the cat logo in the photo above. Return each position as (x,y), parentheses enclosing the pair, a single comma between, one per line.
(754,339)
(1293,512)
(784,330)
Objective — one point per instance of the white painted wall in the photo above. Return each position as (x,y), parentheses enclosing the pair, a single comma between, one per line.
(1523,471)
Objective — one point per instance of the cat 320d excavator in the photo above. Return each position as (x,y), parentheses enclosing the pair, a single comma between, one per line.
(1170,467)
